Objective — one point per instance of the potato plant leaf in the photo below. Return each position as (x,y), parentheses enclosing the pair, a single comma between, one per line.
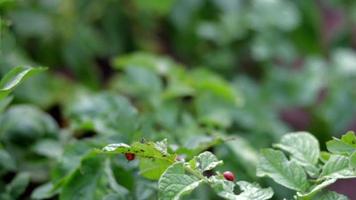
(15,77)
(154,158)
(353,160)
(337,167)
(81,184)
(304,149)
(345,145)
(181,178)
(330,196)
(250,191)
(274,164)
(207,161)
(176,182)
(18,185)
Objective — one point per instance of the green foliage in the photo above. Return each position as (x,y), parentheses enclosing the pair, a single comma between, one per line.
(14,77)
(177,178)
(181,178)
(304,156)
(213,81)
(154,158)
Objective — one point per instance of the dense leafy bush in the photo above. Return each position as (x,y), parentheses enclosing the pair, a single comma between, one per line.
(177,99)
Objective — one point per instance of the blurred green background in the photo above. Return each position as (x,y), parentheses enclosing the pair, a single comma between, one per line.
(186,70)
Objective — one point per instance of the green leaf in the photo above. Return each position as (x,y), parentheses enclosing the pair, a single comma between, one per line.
(337,167)
(317,188)
(20,131)
(140,82)
(14,77)
(154,158)
(153,168)
(274,164)
(105,112)
(49,148)
(175,182)
(353,160)
(155,6)
(113,196)
(44,191)
(7,163)
(253,191)
(349,138)
(145,149)
(330,196)
(4,103)
(324,156)
(347,144)
(244,153)
(223,188)
(18,185)
(198,143)
(250,191)
(207,161)
(153,62)
(304,149)
(82,183)
(114,185)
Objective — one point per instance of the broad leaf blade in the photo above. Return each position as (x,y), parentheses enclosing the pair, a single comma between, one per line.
(353,160)
(14,77)
(304,149)
(153,168)
(18,185)
(318,188)
(154,158)
(330,196)
(82,183)
(337,167)
(345,145)
(44,191)
(274,164)
(142,149)
(253,191)
(250,191)
(175,182)
(207,161)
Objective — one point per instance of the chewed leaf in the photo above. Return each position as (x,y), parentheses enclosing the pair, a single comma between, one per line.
(175,182)
(117,148)
(207,161)
(142,149)
(154,158)
(345,145)
(250,191)
(254,192)
(14,77)
(162,145)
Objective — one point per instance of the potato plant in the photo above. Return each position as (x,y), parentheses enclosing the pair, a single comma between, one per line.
(177,99)
(92,169)
(307,170)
